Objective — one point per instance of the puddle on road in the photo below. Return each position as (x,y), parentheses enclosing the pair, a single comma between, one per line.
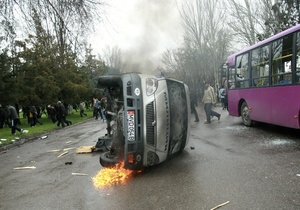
(277,145)
(281,142)
(236,128)
(264,139)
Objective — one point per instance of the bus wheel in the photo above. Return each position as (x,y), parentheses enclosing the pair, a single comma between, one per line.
(245,113)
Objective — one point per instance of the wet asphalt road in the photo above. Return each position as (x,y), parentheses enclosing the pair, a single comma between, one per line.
(253,168)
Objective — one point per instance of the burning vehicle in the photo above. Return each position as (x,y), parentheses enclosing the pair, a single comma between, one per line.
(147,119)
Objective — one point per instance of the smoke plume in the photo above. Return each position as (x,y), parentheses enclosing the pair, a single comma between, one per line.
(154,26)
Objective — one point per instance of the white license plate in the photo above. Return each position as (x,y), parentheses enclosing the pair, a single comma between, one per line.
(130,126)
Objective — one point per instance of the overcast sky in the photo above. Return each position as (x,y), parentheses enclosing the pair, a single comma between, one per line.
(142,29)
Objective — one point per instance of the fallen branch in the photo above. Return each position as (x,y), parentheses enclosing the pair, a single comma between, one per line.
(62,154)
(55,150)
(69,148)
(218,206)
(79,174)
(26,167)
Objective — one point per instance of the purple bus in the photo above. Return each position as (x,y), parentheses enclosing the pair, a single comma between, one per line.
(263,81)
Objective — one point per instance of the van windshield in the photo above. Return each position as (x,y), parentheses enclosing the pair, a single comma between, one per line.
(178,115)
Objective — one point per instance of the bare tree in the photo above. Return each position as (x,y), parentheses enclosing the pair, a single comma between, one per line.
(113,58)
(205,44)
(67,20)
(279,15)
(246,19)
(251,23)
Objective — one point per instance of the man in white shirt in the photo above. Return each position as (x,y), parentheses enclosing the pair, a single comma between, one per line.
(209,99)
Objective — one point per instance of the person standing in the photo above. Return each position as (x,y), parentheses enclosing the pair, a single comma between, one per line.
(51,113)
(193,107)
(222,95)
(96,108)
(33,114)
(81,108)
(60,112)
(102,107)
(13,115)
(61,115)
(3,116)
(209,99)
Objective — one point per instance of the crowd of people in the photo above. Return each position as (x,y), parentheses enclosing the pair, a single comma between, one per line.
(10,115)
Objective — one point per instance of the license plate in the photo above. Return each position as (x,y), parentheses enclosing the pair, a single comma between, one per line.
(130,126)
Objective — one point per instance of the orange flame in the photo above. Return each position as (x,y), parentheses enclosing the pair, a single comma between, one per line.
(108,177)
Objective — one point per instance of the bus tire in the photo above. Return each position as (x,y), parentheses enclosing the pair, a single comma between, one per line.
(245,114)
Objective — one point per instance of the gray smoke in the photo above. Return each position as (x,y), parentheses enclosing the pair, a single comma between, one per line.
(157,27)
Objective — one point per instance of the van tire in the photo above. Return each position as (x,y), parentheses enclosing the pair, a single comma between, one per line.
(108,160)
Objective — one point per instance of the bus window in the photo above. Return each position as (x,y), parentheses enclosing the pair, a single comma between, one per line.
(260,66)
(242,71)
(281,61)
(297,78)
(231,78)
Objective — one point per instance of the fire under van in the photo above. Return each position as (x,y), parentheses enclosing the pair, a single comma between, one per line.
(147,119)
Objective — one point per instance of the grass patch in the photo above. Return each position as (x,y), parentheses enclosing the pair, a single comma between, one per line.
(48,126)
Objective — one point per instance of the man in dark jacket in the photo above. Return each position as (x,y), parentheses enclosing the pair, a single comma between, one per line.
(13,115)
(3,117)
(51,113)
(193,106)
(61,115)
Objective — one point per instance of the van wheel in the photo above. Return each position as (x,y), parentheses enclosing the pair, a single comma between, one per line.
(108,160)
(245,113)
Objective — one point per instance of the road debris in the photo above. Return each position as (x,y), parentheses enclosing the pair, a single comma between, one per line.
(79,174)
(55,150)
(103,144)
(218,206)
(68,163)
(62,154)
(298,175)
(25,167)
(25,131)
(68,142)
(85,149)
(67,149)
(192,147)
(44,137)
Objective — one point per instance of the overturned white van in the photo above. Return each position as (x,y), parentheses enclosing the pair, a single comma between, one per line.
(147,117)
